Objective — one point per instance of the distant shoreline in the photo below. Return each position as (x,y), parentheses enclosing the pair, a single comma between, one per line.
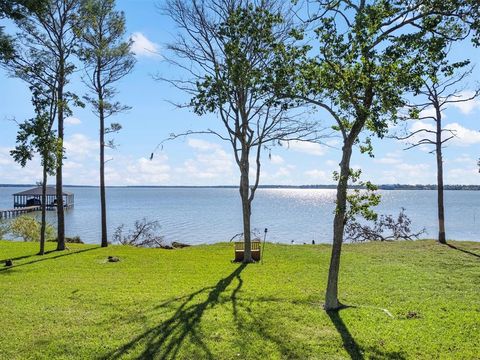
(331,187)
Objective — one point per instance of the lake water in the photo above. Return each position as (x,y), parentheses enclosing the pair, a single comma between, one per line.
(198,215)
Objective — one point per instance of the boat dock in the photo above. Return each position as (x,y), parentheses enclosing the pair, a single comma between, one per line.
(4,214)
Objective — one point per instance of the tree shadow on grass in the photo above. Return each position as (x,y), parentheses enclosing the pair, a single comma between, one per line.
(349,342)
(42,258)
(262,324)
(26,256)
(463,250)
(352,347)
(165,340)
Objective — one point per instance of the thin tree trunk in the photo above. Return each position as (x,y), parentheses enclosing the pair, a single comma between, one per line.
(59,177)
(441,208)
(246,208)
(331,296)
(43,226)
(102,186)
(102,165)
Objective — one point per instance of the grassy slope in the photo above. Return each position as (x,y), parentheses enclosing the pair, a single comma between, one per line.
(194,304)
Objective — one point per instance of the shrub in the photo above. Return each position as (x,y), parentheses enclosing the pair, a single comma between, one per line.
(28,228)
(73,240)
(4,228)
(69,240)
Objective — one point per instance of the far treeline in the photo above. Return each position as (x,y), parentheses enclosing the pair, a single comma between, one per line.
(350,186)
(271,71)
(380,187)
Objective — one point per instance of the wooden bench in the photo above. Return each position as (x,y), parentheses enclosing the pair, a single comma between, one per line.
(240,249)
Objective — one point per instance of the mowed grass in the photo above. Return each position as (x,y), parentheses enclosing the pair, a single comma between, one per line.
(193,303)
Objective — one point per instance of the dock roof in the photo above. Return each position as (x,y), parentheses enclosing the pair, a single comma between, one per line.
(37,191)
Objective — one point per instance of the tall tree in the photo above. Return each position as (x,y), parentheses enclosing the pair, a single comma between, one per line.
(108,59)
(368,55)
(231,52)
(439,90)
(42,48)
(35,136)
(50,32)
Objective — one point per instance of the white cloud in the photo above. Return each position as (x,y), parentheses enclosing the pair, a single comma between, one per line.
(389,159)
(319,176)
(464,176)
(418,125)
(72,121)
(431,113)
(284,171)
(144,47)
(282,175)
(469,106)
(463,158)
(80,146)
(412,168)
(142,171)
(210,164)
(12,173)
(71,165)
(122,170)
(5,158)
(333,142)
(408,174)
(202,145)
(463,135)
(306,147)
(276,159)
(210,161)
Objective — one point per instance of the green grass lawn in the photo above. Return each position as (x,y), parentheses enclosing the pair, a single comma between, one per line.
(193,303)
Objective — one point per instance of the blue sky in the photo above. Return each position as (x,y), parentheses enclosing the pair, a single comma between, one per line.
(203,160)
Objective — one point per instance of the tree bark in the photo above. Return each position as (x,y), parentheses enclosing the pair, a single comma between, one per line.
(59,175)
(102,183)
(331,296)
(246,208)
(440,203)
(43,225)
(103,204)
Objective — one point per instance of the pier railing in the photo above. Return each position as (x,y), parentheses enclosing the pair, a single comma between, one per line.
(10,213)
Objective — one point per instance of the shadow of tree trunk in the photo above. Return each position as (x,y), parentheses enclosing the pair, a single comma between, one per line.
(165,340)
(45,258)
(464,251)
(349,342)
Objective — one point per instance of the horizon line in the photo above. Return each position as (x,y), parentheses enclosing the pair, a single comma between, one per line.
(333,186)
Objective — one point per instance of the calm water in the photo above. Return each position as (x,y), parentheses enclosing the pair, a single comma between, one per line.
(197,216)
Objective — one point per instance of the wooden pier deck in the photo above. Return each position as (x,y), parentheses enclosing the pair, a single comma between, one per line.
(4,214)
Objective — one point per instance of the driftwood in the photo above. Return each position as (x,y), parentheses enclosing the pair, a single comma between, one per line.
(143,235)
(385,228)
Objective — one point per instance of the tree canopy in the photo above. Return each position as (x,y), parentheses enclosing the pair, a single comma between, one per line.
(16,10)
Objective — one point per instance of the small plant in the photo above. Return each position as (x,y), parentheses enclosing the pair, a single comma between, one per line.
(385,227)
(27,228)
(143,235)
(4,228)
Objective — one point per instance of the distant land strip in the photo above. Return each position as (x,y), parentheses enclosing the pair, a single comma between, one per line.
(381,187)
